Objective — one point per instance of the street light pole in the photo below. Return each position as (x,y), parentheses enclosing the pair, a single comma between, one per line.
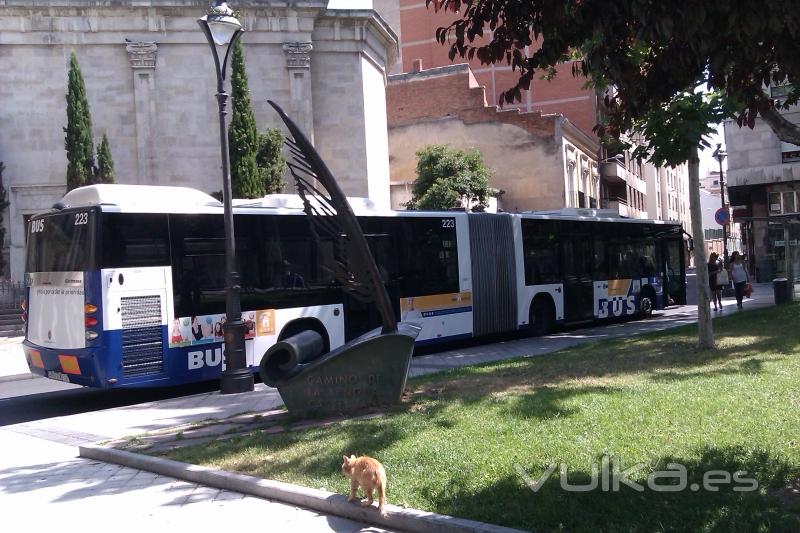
(221,28)
(719,155)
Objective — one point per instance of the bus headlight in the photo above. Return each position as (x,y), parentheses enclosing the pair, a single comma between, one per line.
(91,335)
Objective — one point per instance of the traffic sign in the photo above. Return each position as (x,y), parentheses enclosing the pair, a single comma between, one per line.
(722,216)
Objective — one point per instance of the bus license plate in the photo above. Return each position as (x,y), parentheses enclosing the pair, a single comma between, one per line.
(58,375)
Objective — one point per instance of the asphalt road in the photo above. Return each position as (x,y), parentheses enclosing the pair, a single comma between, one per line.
(38,398)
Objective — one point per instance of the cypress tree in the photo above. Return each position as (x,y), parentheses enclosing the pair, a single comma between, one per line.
(270,160)
(105,163)
(78,139)
(242,134)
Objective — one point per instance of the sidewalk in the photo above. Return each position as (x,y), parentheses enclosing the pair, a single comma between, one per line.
(12,358)
(41,477)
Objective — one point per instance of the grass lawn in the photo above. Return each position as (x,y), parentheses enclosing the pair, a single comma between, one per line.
(653,399)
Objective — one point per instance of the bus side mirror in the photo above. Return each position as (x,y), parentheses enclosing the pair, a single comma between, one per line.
(690,244)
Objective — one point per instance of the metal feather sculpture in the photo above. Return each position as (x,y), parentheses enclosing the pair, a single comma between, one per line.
(332,220)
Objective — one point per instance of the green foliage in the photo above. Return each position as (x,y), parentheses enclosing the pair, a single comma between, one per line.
(78,138)
(242,133)
(270,161)
(105,163)
(448,178)
(674,131)
(648,51)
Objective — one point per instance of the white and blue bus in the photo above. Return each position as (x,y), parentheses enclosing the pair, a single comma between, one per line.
(126,283)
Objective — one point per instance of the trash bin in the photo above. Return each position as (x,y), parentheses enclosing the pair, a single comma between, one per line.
(782,291)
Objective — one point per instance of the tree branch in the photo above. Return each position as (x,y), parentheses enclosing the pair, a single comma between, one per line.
(786,131)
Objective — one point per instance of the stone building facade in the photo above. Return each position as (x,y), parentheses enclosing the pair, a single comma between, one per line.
(540,162)
(763,183)
(150,83)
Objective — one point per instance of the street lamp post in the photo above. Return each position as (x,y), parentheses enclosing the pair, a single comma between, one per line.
(719,155)
(221,28)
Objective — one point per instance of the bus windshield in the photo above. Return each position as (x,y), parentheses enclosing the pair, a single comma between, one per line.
(61,242)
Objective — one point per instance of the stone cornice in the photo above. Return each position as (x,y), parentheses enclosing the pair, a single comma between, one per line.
(201,4)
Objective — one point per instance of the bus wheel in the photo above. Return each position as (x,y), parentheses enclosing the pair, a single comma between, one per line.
(541,317)
(647,302)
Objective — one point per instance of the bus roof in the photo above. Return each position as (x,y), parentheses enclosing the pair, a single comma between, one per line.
(147,197)
(169,199)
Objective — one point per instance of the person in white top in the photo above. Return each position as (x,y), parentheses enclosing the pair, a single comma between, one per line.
(738,274)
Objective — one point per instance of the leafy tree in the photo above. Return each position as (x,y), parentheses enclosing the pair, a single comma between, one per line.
(270,161)
(448,178)
(242,133)
(649,51)
(673,134)
(78,139)
(104,173)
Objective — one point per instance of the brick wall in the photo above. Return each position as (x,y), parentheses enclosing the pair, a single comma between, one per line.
(453,92)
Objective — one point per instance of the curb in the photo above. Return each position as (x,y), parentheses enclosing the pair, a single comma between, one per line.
(17,377)
(318,500)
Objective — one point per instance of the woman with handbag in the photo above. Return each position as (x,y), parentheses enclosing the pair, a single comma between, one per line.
(738,274)
(713,282)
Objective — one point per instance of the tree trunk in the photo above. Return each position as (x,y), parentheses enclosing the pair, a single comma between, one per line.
(705,329)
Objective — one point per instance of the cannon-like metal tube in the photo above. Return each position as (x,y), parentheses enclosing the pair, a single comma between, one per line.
(284,358)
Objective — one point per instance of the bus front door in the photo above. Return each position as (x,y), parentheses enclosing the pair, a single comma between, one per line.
(578,284)
(674,271)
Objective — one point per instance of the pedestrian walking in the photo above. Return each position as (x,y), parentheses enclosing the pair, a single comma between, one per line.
(713,281)
(739,276)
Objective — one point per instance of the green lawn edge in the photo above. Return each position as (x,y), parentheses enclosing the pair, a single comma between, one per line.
(466,440)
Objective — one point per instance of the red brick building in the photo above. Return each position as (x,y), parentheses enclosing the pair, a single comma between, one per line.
(565,94)
(539,161)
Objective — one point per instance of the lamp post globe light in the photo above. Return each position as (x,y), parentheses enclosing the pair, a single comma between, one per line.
(720,154)
(221,28)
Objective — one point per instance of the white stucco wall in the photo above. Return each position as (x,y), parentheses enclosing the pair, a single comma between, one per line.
(528,168)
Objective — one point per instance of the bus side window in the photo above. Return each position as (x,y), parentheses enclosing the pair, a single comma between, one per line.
(428,256)
(541,252)
(600,267)
(135,240)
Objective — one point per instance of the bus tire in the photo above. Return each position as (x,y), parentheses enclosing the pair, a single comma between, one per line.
(542,316)
(647,302)
(306,324)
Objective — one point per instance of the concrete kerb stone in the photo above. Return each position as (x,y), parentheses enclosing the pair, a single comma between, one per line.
(17,377)
(318,500)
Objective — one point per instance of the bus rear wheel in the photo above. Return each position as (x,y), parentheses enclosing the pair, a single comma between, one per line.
(647,302)
(542,317)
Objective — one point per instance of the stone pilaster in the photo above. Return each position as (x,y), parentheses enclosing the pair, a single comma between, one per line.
(142,56)
(298,63)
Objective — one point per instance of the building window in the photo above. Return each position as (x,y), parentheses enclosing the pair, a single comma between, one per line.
(774,201)
(789,204)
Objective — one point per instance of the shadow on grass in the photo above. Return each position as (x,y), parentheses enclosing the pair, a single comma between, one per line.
(747,367)
(510,502)
(745,342)
(548,402)
(276,456)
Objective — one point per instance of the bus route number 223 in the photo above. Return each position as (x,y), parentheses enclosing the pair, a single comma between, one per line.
(81,219)
(448,223)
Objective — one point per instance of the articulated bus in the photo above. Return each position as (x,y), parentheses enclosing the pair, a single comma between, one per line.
(125,284)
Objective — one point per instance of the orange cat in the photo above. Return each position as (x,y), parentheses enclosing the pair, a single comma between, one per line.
(368,473)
